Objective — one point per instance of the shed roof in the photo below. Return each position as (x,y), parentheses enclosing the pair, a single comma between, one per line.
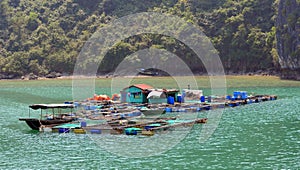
(142,86)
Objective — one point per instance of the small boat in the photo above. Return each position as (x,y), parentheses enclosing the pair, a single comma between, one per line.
(147,72)
(49,120)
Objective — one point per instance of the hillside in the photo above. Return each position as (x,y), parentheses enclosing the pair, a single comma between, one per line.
(46,36)
(288,38)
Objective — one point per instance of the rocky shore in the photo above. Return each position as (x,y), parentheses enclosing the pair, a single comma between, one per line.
(30,76)
(290,74)
(54,75)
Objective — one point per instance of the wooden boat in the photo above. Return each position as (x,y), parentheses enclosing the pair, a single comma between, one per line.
(53,120)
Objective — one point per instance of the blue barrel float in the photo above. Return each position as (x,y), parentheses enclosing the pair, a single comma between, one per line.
(240,95)
(179,99)
(83,124)
(228,97)
(171,100)
(244,95)
(63,130)
(237,94)
(168,109)
(202,98)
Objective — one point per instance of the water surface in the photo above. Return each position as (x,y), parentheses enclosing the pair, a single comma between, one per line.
(256,136)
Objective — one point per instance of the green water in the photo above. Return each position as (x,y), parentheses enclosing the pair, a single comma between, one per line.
(256,136)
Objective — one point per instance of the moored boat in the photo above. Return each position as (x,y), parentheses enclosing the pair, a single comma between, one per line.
(49,120)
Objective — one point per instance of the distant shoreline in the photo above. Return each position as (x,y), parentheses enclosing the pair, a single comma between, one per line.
(139,76)
(232,81)
(55,75)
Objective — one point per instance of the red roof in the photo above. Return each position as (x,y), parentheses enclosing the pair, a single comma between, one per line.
(142,86)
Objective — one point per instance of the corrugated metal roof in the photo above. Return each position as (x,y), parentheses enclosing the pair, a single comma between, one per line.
(142,86)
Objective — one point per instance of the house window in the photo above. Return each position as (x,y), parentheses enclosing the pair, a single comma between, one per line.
(137,95)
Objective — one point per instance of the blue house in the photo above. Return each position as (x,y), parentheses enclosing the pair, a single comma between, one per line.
(136,93)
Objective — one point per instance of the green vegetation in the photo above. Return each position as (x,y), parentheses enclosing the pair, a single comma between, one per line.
(288,35)
(46,36)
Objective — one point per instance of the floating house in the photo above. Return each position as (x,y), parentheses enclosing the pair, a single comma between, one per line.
(136,93)
(143,93)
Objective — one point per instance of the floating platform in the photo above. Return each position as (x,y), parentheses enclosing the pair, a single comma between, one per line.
(111,111)
(128,119)
(141,127)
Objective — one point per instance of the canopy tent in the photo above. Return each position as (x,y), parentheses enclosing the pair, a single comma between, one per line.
(159,94)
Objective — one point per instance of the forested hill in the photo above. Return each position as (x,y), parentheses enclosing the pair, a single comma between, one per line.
(42,36)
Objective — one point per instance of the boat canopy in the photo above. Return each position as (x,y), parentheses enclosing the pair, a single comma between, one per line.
(49,106)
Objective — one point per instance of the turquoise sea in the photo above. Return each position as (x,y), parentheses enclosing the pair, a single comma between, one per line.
(256,136)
